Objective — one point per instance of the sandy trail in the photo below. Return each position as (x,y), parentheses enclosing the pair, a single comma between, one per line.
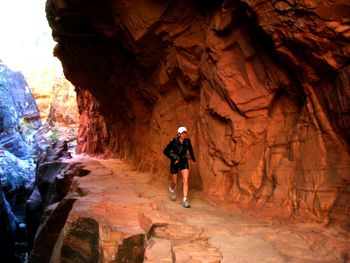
(206,233)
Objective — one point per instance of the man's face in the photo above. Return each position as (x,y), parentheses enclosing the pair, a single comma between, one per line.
(183,135)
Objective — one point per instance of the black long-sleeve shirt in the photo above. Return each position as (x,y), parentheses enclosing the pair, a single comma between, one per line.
(177,151)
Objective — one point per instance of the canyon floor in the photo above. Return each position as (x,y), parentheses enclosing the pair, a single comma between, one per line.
(129,204)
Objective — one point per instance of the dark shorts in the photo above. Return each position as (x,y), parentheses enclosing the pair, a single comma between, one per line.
(182,165)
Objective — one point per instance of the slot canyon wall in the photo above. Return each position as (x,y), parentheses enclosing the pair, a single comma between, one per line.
(262,86)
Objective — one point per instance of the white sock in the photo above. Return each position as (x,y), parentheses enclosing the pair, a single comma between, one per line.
(185,198)
(171,190)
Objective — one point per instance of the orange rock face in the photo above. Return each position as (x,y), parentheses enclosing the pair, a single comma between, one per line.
(64,114)
(56,101)
(263,88)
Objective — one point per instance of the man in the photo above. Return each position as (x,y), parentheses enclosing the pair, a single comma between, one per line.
(176,151)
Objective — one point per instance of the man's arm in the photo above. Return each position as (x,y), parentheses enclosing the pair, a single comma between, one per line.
(190,149)
(169,151)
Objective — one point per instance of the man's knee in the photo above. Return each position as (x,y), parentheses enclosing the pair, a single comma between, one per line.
(184,179)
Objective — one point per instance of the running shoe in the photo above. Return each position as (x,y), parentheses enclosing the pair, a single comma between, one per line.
(185,204)
(172,194)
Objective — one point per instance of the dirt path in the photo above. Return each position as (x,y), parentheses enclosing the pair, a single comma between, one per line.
(202,233)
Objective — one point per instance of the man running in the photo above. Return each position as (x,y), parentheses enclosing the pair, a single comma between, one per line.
(176,151)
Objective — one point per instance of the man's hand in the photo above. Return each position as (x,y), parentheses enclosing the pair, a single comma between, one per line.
(176,161)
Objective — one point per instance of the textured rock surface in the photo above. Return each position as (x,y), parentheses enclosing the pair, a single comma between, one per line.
(52,181)
(19,120)
(119,214)
(15,173)
(20,97)
(7,230)
(56,100)
(263,87)
(63,109)
(58,107)
(18,113)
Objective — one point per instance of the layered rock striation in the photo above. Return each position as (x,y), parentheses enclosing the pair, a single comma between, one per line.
(18,113)
(19,120)
(263,87)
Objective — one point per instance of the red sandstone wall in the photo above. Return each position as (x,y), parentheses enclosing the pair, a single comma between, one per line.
(263,87)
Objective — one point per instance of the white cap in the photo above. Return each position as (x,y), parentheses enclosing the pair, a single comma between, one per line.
(181,130)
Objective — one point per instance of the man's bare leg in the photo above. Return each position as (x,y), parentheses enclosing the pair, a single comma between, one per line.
(185,174)
(173,181)
(172,193)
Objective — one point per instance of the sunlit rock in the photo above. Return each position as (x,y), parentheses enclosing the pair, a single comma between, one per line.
(262,86)
(14,172)
(19,115)
(57,103)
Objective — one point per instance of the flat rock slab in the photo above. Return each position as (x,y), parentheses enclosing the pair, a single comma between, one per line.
(133,220)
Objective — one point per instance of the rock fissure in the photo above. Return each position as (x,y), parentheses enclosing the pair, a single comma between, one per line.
(48,235)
